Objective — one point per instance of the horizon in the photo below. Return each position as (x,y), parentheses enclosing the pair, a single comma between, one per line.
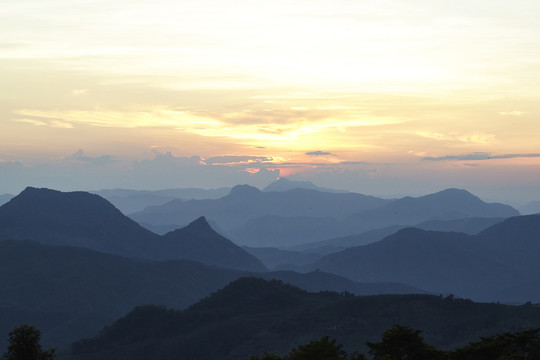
(387,99)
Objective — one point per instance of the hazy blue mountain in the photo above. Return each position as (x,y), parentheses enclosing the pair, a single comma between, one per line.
(469,226)
(246,202)
(70,292)
(251,315)
(531,208)
(4,198)
(274,258)
(480,266)
(448,204)
(333,245)
(284,219)
(87,220)
(279,231)
(327,235)
(284,184)
(199,242)
(130,201)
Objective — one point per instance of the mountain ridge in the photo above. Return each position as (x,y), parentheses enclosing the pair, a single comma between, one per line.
(87,220)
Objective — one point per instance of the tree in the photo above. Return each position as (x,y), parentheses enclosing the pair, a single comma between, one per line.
(522,345)
(323,349)
(24,345)
(402,342)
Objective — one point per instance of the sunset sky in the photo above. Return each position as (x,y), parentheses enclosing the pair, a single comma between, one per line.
(378,97)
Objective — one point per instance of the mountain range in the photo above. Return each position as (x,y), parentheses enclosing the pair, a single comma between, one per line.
(294,217)
(246,202)
(87,220)
(130,201)
(498,264)
(71,292)
(250,316)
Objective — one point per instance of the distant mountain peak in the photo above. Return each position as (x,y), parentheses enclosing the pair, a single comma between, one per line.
(454,192)
(285,184)
(244,190)
(200,224)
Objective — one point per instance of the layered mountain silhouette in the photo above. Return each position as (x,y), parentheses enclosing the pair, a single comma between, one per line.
(448,204)
(470,226)
(86,220)
(482,267)
(284,219)
(448,210)
(130,201)
(70,292)
(284,184)
(245,203)
(250,316)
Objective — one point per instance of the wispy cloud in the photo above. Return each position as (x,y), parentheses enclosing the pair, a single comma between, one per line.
(320,153)
(100,160)
(475,138)
(478,156)
(235,159)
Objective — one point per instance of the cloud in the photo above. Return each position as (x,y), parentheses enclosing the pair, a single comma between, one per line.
(475,138)
(234,159)
(100,160)
(478,156)
(320,153)
(37,121)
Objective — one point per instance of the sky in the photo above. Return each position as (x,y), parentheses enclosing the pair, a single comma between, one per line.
(388,98)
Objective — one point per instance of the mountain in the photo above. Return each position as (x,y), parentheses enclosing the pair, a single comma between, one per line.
(70,292)
(250,316)
(480,266)
(448,204)
(87,220)
(245,203)
(279,231)
(274,258)
(284,219)
(130,201)
(284,184)
(469,226)
(199,242)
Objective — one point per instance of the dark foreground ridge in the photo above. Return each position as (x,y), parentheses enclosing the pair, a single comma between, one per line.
(251,315)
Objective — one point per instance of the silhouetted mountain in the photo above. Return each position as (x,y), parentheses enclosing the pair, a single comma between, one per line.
(199,242)
(445,205)
(284,219)
(4,198)
(274,258)
(70,292)
(284,184)
(334,245)
(279,231)
(251,315)
(87,220)
(246,202)
(130,201)
(480,267)
(469,226)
